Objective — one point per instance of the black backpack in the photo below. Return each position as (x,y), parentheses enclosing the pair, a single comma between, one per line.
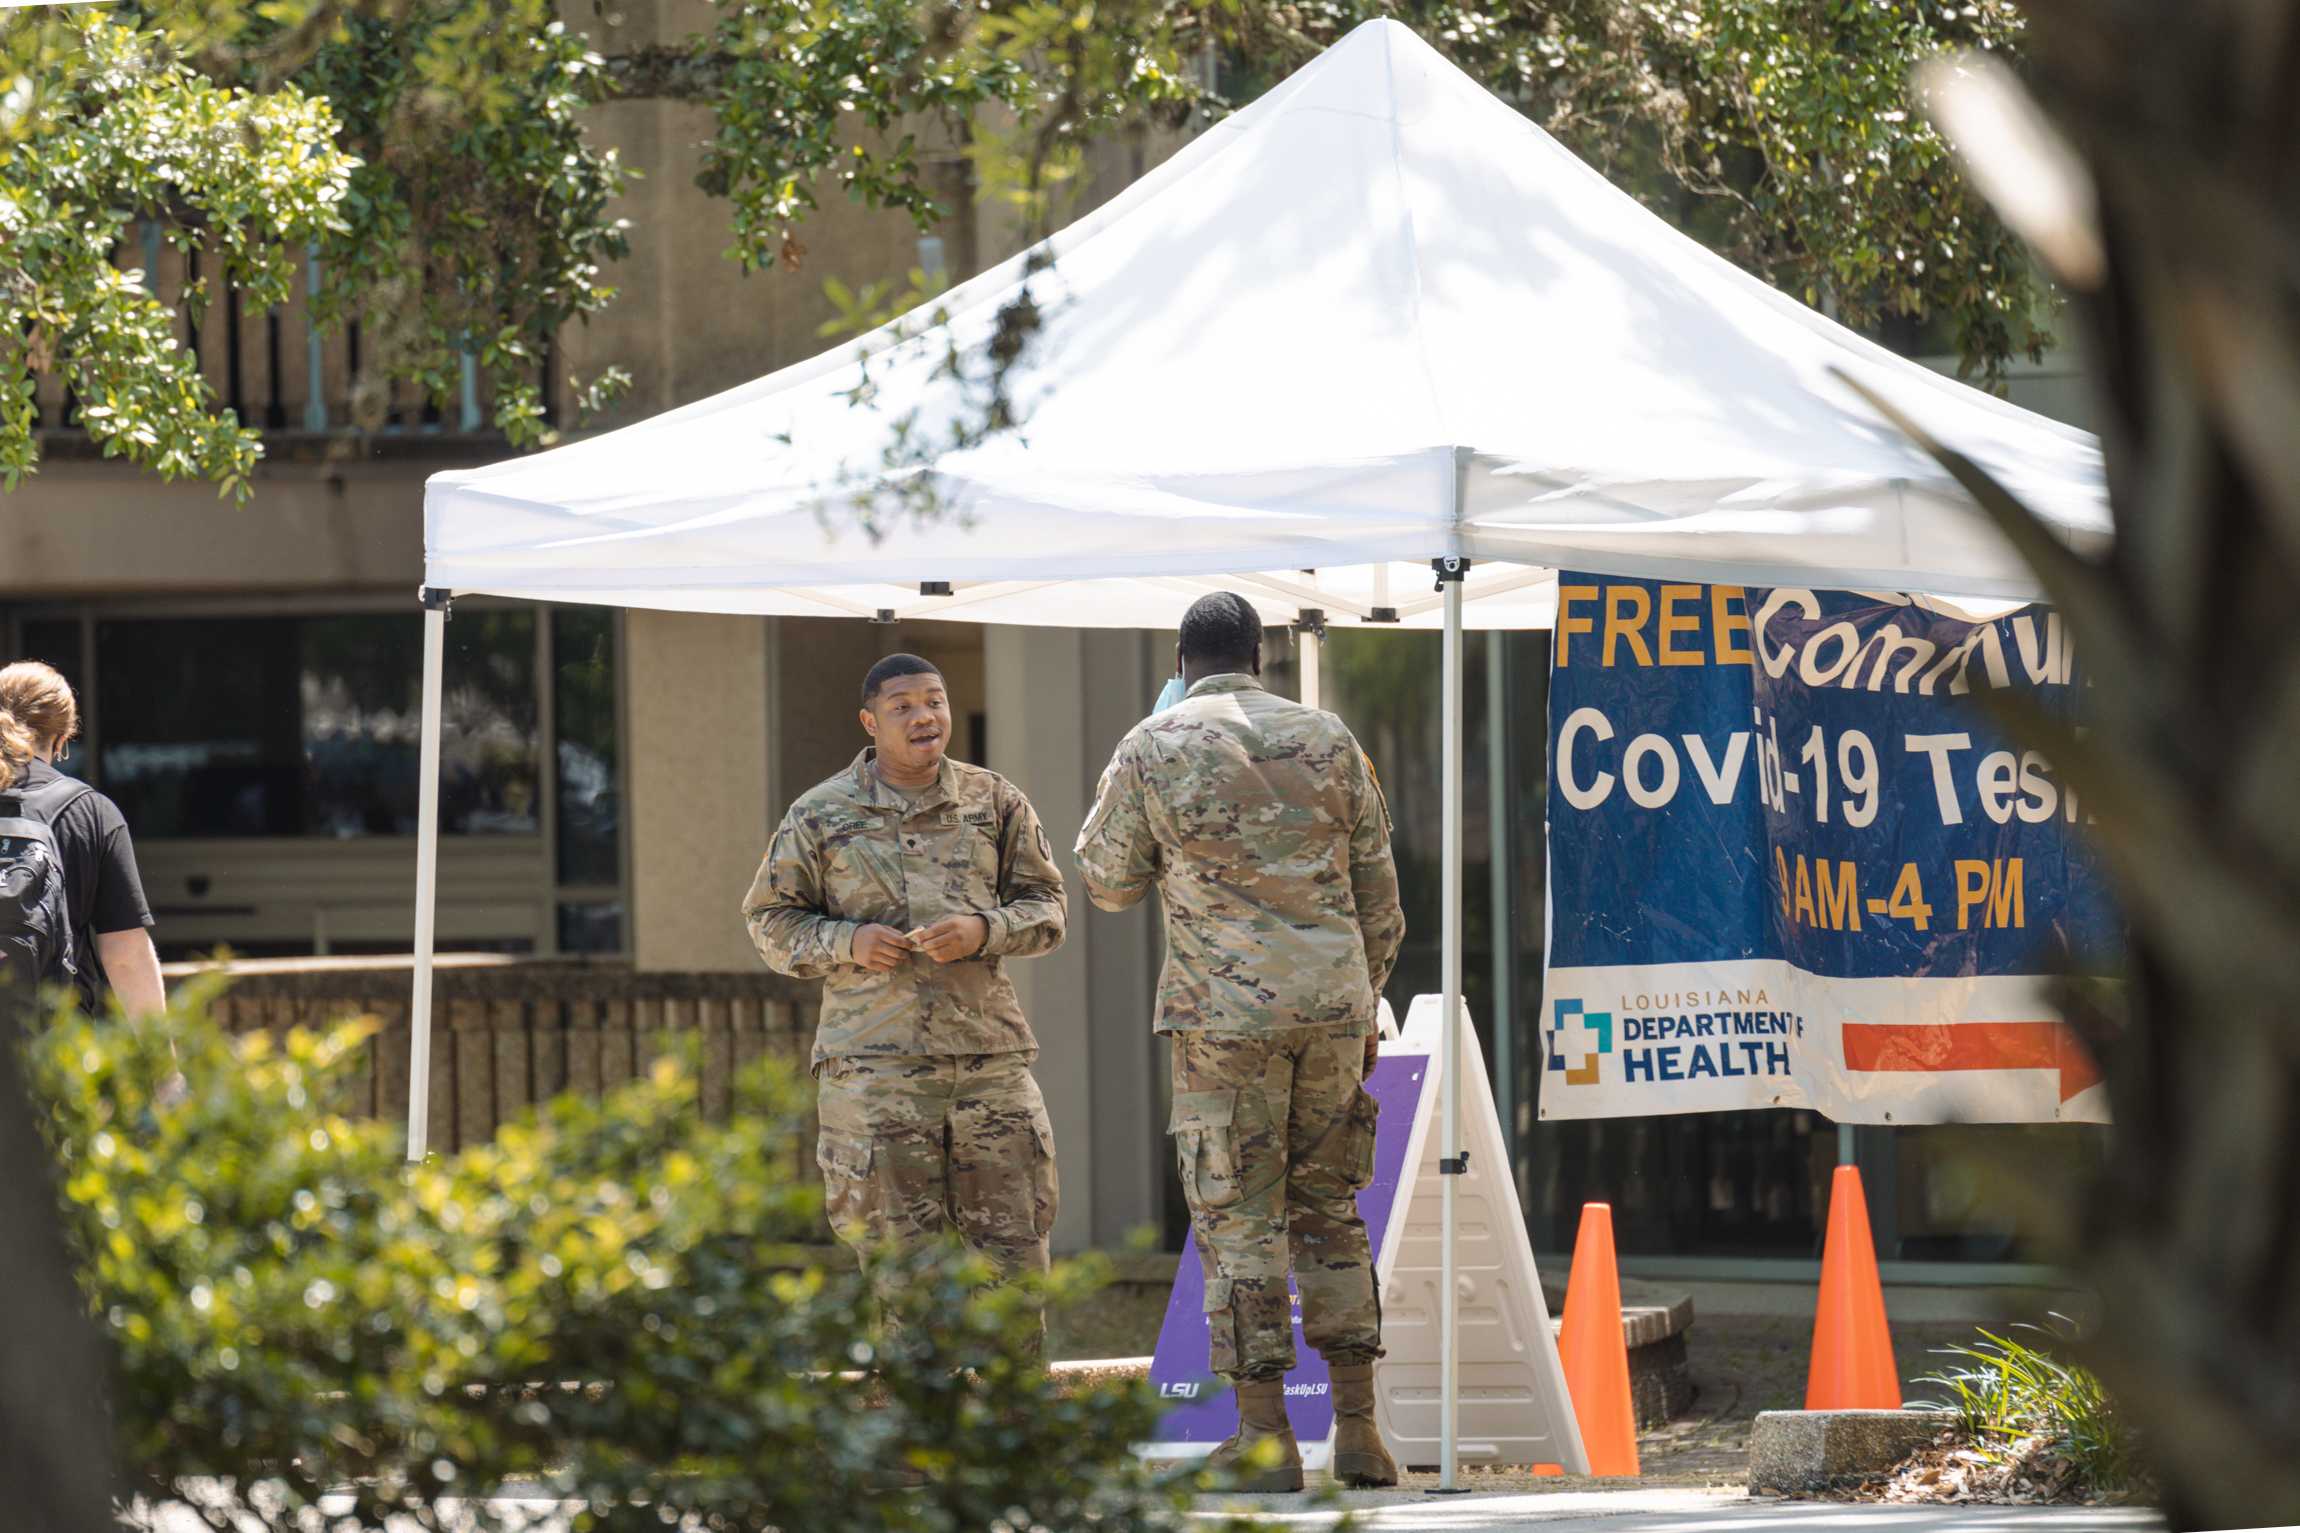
(35,917)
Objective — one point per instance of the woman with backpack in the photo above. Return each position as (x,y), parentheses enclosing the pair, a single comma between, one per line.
(105,943)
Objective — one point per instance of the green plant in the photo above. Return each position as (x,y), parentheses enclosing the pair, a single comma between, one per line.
(603,1306)
(2008,1392)
(132,126)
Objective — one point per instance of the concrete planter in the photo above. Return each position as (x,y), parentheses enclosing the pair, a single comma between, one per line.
(1794,1452)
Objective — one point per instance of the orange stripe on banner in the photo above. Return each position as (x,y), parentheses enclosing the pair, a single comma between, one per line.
(1973,1046)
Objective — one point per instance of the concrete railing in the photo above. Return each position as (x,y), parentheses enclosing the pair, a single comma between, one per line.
(509,1033)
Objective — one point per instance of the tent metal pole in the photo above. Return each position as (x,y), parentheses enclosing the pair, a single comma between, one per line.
(1501,840)
(426,876)
(1310,628)
(1453,1163)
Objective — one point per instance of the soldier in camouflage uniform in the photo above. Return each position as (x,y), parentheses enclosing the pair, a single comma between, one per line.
(903,884)
(1259,822)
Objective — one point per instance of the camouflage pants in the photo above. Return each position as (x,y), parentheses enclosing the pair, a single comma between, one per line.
(915,1144)
(1274,1136)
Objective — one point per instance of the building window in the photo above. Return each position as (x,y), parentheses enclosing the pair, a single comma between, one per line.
(309,726)
(594,927)
(587,832)
(268,765)
(590,828)
(57,642)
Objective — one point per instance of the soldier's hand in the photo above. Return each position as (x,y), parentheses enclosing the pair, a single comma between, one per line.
(953,937)
(880,947)
(1373,1049)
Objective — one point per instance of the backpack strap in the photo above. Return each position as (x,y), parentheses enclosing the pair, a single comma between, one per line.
(22,827)
(49,800)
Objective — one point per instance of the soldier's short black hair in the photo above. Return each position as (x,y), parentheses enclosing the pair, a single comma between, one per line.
(1221,629)
(891,667)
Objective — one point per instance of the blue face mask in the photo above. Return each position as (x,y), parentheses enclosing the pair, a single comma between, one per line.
(1172,694)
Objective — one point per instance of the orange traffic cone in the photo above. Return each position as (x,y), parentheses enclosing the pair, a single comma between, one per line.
(1593,1350)
(1852,1347)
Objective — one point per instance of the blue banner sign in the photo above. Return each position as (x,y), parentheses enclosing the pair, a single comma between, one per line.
(1798,858)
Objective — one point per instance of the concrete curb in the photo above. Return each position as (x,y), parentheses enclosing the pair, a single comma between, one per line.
(1793,1452)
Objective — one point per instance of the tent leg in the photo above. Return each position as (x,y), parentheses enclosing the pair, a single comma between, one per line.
(1501,812)
(1311,632)
(1450,774)
(426,882)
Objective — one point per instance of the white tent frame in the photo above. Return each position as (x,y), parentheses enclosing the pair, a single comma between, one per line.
(1452,579)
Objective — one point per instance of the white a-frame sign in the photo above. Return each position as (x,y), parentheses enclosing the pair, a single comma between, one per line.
(1514,1408)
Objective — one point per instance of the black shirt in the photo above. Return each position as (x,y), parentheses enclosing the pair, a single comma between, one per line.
(101,887)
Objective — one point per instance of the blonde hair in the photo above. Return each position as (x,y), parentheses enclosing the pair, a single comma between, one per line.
(37,709)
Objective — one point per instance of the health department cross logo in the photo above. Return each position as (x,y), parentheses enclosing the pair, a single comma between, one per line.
(1578,1034)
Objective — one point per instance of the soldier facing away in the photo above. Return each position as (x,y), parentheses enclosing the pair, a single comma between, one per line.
(1259,822)
(903,883)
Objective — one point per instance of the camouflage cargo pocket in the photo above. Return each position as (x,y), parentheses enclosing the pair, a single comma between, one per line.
(1204,1126)
(845,1160)
(1363,1128)
(1221,1328)
(1046,1183)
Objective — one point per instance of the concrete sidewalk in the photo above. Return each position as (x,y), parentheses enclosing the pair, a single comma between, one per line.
(1656,1511)
(1550,1511)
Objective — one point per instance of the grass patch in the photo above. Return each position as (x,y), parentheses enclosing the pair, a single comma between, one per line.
(2013,1396)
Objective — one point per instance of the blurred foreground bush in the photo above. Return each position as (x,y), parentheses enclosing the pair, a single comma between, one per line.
(590,1310)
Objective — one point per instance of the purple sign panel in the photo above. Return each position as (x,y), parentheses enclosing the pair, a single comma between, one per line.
(1203,1411)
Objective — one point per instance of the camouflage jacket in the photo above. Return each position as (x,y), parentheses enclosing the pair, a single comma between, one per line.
(1259,822)
(852,851)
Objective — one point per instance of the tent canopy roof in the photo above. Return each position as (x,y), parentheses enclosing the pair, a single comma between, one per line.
(1375,318)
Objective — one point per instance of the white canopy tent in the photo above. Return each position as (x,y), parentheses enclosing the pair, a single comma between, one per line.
(1375,320)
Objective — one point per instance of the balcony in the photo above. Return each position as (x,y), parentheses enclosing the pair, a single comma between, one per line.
(309,388)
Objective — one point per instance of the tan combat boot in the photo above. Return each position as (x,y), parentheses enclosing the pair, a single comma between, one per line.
(1360,1458)
(1261,1418)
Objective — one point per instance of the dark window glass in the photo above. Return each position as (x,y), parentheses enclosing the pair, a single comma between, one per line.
(309,726)
(591,928)
(206,734)
(357,683)
(590,847)
(1384,685)
(491,754)
(57,643)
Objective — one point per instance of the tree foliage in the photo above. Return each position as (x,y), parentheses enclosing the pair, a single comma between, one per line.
(461,204)
(592,1307)
(435,159)
(129,127)
(479,218)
